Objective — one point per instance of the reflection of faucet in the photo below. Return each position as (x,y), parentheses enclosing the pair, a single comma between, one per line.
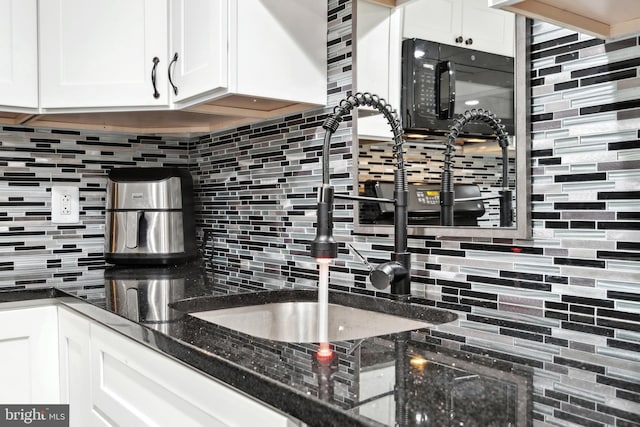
(447,198)
(396,272)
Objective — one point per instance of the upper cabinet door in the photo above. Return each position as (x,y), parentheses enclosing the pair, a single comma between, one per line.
(19,50)
(486,29)
(434,20)
(103,53)
(466,23)
(199,49)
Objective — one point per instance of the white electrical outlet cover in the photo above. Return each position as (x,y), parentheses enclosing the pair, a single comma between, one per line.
(65,205)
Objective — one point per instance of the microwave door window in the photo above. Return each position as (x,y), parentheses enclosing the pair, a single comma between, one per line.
(488,89)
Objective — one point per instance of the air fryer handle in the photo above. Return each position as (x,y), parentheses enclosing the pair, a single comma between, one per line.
(441,68)
(131,227)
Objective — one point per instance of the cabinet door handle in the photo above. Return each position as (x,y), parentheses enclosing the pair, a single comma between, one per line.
(468,41)
(156,94)
(173,62)
(459,39)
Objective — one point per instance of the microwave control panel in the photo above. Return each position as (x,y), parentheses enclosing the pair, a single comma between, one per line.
(427,197)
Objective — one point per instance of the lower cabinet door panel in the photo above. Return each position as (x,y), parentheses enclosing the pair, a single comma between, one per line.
(29,355)
(74,340)
(135,385)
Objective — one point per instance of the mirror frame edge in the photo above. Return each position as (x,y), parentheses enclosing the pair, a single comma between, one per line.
(522,91)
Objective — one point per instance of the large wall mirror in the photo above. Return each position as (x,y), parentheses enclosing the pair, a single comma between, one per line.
(479,62)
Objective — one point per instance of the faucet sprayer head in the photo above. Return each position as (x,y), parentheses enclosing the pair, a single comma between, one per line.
(324,245)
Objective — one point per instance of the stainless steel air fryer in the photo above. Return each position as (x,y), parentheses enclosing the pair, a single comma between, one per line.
(149,216)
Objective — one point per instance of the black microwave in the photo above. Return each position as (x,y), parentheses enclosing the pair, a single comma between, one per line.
(441,81)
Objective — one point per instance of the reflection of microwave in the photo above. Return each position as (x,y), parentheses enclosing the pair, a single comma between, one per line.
(441,81)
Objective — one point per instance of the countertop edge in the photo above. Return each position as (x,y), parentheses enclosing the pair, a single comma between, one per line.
(274,394)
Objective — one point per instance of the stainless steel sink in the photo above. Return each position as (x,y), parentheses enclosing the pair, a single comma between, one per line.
(292,315)
(298,321)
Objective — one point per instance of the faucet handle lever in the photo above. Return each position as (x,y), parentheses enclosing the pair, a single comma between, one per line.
(362,258)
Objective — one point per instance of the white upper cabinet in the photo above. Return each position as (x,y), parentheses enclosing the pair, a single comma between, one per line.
(378,28)
(103,53)
(466,23)
(198,51)
(19,50)
(279,49)
(268,49)
(126,55)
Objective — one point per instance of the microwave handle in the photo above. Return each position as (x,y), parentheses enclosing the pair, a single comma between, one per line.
(441,68)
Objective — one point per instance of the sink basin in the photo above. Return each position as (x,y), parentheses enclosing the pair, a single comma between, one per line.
(292,315)
(298,321)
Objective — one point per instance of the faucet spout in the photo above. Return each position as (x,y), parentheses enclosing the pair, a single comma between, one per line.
(447,198)
(396,272)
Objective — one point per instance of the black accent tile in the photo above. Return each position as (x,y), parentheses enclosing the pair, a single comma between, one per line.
(628,215)
(556,225)
(556,305)
(448,252)
(545,215)
(555,42)
(620,44)
(521,334)
(596,302)
(579,262)
(624,145)
(575,419)
(579,365)
(627,296)
(541,117)
(623,315)
(618,225)
(503,356)
(607,332)
(584,403)
(632,397)
(618,195)
(614,106)
(510,283)
(542,153)
(557,279)
(626,74)
(556,341)
(565,85)
(588,225)
(581,177)
(502,248)
(568,57)
(537,82)
(629,256)
(606,68)
(556,315)
(635,417)
(510,324)
(633,326)
(566,206)
(563,397)
(550,161)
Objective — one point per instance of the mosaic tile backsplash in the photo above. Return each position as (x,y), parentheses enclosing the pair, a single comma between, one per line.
(31,162)
(565,303)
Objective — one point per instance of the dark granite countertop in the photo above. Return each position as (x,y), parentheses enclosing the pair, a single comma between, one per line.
(404,379)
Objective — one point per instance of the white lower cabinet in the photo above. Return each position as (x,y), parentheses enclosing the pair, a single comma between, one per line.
(111,380)
(74,340)
(28,355)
